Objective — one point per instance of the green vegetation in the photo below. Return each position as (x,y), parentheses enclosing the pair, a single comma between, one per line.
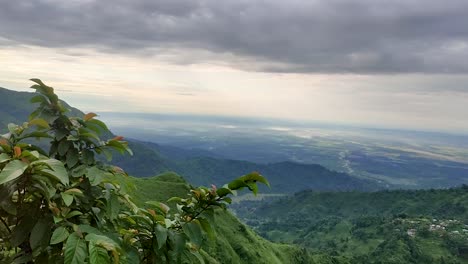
(285,177)
(65,206)
(15,108)
(61,203)
(235,243)
(424,226)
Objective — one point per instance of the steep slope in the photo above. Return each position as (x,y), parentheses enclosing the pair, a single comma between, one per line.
(236,243)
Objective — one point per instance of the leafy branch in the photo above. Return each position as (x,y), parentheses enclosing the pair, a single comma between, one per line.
(62,205)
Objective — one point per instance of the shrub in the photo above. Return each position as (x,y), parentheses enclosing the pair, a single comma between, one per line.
(62,205)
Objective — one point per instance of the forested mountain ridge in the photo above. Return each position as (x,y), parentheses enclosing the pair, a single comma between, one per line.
(400,226)
(285,177)
(151,159)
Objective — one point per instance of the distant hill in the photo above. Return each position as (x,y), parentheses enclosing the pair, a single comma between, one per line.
(284,177)
(15,107)
(410,226)
(197,166)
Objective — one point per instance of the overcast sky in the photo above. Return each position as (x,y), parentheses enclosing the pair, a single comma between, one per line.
(400,63)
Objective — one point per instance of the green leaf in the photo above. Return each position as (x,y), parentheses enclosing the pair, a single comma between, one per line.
(67,198)
(255,177)
(103,241)
(73,213)
(12,170)
(193,231)
(5,200)
(61,133)
(38,99)
(72,157)
(113,206)
(39,122)
(95,175)
(33,155)
(207,228)
(4,157)
(107,154)
(143,221)
(60,234)
(174,199)
(89,229)
(63,147)
(253,187)
(88,157)
(97,123)
(162,208)
(161,235)
(227,200)
(117,145)
(75,250)
(38,81)
(40,234)
(223,192)
(89,135)
(97,254)
(12,128)
(237,184)
(198,256)
(74,191)
(35,134)
(79,171)
(57,170)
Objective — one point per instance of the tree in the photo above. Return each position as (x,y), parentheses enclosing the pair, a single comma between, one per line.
(62,205)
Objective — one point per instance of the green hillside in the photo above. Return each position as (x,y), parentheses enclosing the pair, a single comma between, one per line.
(15,107)
(425,226)
(285,177)
(236,243)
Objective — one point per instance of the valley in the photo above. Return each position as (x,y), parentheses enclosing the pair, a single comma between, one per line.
(337,195)
(391,158)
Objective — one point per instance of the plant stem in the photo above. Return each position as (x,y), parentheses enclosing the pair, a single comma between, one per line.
(6,225)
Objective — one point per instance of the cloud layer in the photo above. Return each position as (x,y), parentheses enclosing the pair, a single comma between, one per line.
(329,36)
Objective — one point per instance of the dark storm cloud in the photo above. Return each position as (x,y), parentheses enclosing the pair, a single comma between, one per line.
(330,36)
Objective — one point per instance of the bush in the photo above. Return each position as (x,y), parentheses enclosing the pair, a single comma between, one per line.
(62,205)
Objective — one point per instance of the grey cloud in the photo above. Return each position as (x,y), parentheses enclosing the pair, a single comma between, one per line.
(328,36)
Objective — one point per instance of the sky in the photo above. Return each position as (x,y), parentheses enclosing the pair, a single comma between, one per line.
(400,63)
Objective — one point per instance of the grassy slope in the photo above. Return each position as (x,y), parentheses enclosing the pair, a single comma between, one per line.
(236,243)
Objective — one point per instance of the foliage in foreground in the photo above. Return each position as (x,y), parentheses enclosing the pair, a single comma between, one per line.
(235,243)
(63,205)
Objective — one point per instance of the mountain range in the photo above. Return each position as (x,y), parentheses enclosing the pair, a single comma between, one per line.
(200,167)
